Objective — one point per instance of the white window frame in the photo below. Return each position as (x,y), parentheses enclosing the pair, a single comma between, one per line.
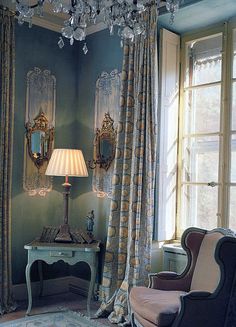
(225,122)
(225,129)
(165,224)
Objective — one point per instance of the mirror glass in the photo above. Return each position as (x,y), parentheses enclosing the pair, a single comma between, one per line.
(106,147)
(39,143)
(105,144)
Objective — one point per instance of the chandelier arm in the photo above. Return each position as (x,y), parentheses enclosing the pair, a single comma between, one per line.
(39,2)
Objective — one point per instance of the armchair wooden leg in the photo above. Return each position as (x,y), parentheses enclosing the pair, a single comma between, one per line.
(134,323)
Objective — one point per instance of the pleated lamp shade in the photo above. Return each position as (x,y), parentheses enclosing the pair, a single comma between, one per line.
(67,162)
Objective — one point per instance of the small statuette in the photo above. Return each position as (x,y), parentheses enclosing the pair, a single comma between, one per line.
(85,48)
(90,221)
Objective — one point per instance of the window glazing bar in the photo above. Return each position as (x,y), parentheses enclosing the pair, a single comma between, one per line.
(199,86)
(202,135)
(202,184)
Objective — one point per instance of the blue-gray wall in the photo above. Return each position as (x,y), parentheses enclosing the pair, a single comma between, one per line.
(76,76)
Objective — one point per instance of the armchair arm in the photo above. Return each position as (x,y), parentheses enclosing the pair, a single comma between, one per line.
(198,295)
(162,274)
(167,274)
(169,281)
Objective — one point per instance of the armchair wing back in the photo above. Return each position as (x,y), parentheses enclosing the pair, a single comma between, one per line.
(199,297)
(206,275)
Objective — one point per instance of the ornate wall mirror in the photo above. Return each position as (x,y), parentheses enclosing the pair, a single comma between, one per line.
(39,124)
(39,139)
(104,144)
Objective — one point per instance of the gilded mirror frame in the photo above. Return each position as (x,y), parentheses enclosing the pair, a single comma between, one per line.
(40,125)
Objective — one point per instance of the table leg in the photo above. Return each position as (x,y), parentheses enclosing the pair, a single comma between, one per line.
(40,271)
(91,287)
(28,283)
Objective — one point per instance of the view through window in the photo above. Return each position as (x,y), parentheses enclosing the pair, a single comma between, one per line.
(232,216)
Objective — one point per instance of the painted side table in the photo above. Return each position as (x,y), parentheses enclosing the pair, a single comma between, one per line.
(70,253)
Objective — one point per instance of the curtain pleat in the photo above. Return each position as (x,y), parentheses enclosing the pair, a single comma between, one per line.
(130,228)
(7,84)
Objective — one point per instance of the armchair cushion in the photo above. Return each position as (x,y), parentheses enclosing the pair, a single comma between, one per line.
(156,306)
(201,295)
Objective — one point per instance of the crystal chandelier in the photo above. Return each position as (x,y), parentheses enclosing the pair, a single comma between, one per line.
(123,15)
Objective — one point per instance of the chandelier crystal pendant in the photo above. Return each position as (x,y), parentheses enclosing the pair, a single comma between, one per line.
(124,15)
(172,6)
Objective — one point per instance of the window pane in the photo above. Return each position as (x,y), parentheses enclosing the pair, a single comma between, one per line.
(204,61)
(233,159)
(199,206)
(201,159)
(234,107)
(232,215)
(199,103)
(234,52)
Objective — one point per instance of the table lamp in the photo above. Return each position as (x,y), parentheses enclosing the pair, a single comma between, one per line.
(66,162)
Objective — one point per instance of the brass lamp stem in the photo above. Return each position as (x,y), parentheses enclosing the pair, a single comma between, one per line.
(64,233)
(66,194)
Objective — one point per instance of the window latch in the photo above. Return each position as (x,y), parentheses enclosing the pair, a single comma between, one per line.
(212,184)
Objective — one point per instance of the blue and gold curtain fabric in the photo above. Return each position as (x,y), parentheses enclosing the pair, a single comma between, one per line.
(129,241)
(7,53)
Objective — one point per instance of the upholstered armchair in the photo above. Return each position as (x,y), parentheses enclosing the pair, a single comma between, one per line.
(202,296)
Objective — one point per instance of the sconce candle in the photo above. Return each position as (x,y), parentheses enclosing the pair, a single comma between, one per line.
(66,162)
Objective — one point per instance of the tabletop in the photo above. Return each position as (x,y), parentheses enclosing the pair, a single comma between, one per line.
(83,247)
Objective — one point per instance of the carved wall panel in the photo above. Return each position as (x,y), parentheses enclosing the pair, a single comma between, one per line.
(107,101)
(39,124)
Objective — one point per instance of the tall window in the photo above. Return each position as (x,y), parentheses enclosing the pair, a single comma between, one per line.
(232,198)
(207,142)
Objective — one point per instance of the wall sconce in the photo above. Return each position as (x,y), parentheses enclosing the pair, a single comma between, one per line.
(101,162)
(104,144)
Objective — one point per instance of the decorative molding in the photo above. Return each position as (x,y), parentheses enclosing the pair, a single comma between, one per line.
(48,24)
(52,287)
(96,28)
(53,24)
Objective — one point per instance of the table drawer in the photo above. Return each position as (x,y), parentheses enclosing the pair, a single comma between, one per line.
(62,254)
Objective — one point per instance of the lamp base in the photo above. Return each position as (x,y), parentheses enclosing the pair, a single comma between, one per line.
(64,234)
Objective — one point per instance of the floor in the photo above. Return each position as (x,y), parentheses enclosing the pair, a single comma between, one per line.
(55,303)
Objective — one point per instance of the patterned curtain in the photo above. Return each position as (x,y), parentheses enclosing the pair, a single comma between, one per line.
(129,241)
(7,82)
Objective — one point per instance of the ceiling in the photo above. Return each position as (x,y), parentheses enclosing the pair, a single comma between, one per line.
(198,14)
(193,14)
